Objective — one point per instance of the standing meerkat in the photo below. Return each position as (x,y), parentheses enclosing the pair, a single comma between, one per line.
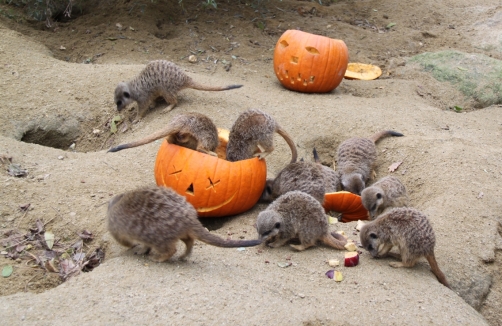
(356,158)
(410,231)
(156,218)
(254,129)
(303,176)
(296,215)
(330,176)
(384,194)
(159,78)
(191,130)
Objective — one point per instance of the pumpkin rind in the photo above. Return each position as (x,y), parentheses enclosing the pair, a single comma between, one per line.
(310,63)
(220,188)
(347,203)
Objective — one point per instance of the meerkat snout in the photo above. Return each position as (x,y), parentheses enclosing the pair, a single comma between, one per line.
(122,96)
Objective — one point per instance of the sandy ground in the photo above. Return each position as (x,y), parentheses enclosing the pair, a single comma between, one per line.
(451,166)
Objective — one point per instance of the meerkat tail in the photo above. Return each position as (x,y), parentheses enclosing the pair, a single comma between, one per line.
(316,156)
(148,139)
(207,237)
(331,241)
(291,143)
(201,87)
(385,133)
(436,271)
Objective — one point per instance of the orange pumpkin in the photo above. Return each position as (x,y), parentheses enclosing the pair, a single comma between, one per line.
(347,203)
(215,187)
(310,63)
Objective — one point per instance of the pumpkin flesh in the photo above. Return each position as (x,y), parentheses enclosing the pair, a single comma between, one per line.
(347,203)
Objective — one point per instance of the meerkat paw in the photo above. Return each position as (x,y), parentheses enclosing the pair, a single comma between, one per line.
(298,247)
(141,249)
(169,108)
(261,155)
(212,154)
(396,264)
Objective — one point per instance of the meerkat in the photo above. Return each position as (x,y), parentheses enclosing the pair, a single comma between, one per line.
(356,158)
(384,194)
(410,231)
(302,175)
(296,215)
(156,218)
(330,176)
(159,78)
(253,130)
(191,130)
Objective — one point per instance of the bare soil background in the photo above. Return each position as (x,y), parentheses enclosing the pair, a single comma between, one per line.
(57,90)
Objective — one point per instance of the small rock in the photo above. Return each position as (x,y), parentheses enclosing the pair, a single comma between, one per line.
(192,59)
(60,157)
(301,295)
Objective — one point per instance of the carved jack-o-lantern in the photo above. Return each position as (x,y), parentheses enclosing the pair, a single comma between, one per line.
(310,63)
(214,186)
(347,203)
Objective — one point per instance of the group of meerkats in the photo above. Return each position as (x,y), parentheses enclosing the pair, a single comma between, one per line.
(155,218)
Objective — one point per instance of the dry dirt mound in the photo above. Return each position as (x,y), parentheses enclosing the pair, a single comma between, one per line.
(451,167)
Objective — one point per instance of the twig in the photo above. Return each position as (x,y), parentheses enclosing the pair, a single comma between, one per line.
(16,244)
(111,167)
(26,286)
(106,139)
(22,217)
(281,9)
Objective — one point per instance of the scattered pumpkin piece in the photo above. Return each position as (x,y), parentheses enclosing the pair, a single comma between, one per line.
(350,246)
(362,71)
(351,259)
(338,276)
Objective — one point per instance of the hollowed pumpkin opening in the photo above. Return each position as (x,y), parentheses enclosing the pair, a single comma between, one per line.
(294,60)
(283,43)
(312,50)
(190,190)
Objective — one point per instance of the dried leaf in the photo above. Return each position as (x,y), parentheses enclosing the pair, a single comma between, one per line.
(113,123)
(15,170)
(86,235)
(390,25)
(393,167)
(7,271)
(24,207)
(283,265)
(77,245)
(49,265)
(330,274)
(49,254)
(94,260)
(49,239)
(79,256)
(40,226)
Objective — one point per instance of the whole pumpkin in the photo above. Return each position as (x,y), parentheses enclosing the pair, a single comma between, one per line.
(310,63)
(347,203)
(215,187)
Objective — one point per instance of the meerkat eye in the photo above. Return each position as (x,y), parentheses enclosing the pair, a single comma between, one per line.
(277,225)
(126,94)
(373,236)
(119,103)
(379,196)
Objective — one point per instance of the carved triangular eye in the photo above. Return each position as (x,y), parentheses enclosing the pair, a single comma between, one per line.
(190,190)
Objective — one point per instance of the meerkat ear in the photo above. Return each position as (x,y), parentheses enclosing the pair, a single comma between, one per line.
(127,95)
(373,235)
(379,196)
(277,225)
